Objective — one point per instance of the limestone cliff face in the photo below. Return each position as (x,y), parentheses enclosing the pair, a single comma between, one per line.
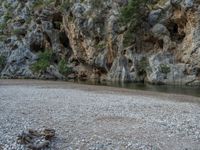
(88,36)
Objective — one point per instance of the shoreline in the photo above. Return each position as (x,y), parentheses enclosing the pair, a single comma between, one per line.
(100,89)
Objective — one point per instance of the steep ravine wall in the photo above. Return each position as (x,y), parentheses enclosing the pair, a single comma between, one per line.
(84,40)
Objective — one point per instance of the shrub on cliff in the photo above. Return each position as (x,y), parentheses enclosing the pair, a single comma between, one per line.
(63,67)
(44,61)
(7,16)
(164,68)
(142,66)
(41,3)
(97,4)
(19,32)
(2,61)
(131,16)
(65,5)
(3,26)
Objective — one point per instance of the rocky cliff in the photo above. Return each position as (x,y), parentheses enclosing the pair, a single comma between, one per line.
(84,39)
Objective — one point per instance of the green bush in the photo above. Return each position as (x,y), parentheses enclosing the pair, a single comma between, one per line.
(38,3)
(142,66)
(131,16)
(7,5)
(97,4)
(48,2)
(28,20)
(63,68)
(43,62)
(164,68)
(2,38)
(3,26)
(100,46)
(66,4)
(18,32)
(2,61)
(7,16)
(131,13)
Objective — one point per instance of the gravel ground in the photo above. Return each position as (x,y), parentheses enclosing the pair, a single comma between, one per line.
(97,118)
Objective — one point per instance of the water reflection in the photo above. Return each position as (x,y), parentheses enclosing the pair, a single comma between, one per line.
(187,90)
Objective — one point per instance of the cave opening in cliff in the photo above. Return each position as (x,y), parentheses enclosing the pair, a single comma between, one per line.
(197,72)
(57,17)
(176,32)
(161,43)
(64,39)
(57,20)
(130,65)
(37,47)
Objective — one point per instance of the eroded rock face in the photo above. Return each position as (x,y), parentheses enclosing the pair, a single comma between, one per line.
(94,36)
(164,70)
(32,31)
(18,59)
(182,25)
(88,36)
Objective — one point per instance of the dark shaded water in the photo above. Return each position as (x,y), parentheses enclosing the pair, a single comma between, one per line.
(175,89)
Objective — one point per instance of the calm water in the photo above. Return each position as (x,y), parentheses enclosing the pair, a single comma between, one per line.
(187,90)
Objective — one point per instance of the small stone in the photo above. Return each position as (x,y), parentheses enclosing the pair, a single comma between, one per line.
(1,147)
(49,133)
(24,138)
(34,132)
(39,146)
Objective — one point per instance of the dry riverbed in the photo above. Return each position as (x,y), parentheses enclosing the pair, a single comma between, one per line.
(97,117)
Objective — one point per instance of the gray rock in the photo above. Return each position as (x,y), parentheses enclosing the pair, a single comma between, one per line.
(176,2)
(119,70)
(154,16)
(53,72)
(165,71)
(18,60)
(188,3)
(160,30)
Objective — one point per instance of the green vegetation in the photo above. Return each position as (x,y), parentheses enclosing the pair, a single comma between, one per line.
(43,62)
(66,4)
(47,2)
(131,16)
(2,61)
(7,16)
(6,5)
(2,38)
(100,46)
(97,4)
(142,66)
(42,3)
(63,68)
(3,26)
(28,20)
(37,3)
(130,13)
(18,32)
(164,68)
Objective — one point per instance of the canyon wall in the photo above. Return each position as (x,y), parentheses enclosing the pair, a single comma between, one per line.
(84,40)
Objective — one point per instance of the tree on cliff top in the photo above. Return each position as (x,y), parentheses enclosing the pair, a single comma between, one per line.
(132,11)
(132,15)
